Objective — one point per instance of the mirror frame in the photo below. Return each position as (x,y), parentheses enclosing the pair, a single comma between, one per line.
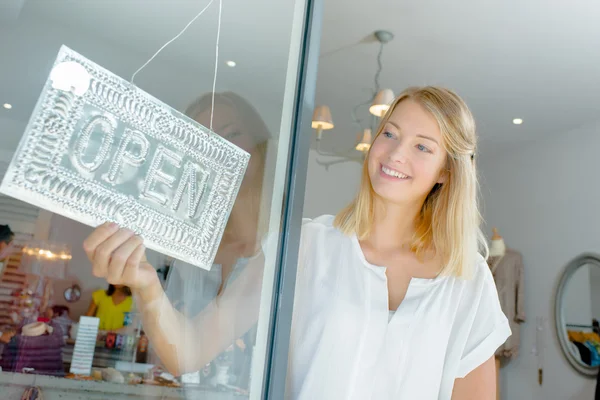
(72,288)
(572,266)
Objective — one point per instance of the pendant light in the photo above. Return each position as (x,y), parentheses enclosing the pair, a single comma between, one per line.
(365,144)
(383,97)
(379,103)
(322,120)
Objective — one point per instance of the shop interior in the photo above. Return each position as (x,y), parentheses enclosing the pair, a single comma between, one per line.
(527,72)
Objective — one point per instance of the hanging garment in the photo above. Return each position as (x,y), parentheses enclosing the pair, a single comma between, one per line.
(508,276)
(40,354)
(594,355)
(584,353)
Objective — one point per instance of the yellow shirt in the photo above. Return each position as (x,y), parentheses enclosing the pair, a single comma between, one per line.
(111,315)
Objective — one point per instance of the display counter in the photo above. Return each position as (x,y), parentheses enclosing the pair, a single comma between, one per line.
(12,386)
(103,357)
(114,374)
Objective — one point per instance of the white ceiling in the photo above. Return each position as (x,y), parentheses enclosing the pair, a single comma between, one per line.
(122,35)
(534,59)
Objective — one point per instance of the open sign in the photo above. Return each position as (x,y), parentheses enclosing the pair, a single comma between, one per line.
(99,149)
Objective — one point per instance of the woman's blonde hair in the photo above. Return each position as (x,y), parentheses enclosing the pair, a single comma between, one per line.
(449,221)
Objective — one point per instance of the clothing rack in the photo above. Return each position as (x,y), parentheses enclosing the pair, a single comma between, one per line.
(580,326)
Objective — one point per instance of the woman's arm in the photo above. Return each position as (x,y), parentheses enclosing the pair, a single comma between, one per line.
(91,311)
(182,344)
(479,384)
(186,345)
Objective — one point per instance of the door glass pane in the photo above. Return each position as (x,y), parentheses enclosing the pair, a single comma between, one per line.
(206,337)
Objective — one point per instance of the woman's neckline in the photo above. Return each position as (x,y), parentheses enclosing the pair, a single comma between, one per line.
(381,268)
(112,298)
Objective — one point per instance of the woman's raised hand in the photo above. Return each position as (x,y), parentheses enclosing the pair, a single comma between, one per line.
(119,256)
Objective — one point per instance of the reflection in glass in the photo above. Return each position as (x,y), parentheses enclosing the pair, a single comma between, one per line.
(126,157)
(240,250)
(218,354)
(581,307)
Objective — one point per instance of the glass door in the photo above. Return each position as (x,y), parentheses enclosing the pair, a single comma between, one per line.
(228,327)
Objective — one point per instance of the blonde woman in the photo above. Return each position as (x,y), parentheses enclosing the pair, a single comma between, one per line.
(393,299)
(191,289)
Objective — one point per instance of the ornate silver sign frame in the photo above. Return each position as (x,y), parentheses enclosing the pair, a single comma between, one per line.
(97,149)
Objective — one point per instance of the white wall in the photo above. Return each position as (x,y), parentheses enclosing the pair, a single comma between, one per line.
(64,230)
(544,196)
(328,191)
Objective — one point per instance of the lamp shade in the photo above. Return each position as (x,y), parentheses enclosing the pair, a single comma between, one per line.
(365,143)
(322,118)
(381,102)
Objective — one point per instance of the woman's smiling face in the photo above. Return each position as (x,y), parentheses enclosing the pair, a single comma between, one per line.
(407,159)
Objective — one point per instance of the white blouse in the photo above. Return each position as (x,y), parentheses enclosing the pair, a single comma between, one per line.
(344,344)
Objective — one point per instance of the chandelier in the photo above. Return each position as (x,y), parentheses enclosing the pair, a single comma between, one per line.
(49,253)
(46,259)
(379,102)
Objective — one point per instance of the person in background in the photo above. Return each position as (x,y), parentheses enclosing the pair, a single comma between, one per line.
(192,289)
(6,239)
(110,306)
(60,315)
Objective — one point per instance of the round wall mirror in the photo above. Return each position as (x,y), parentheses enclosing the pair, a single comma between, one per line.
(577,311)
(72,294)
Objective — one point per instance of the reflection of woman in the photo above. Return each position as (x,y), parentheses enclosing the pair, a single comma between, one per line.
(393,300)
(237,121)
(234,282)
(191,289)
(110,306)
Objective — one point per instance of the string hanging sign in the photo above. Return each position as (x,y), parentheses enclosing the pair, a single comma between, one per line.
(98,148)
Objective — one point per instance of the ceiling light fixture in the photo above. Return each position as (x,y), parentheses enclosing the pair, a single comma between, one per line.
(322,120)
(382,102)
(7,106)
(365,143)
(383,98)
(517,121)
(47,259)
(231,63)
(379,103)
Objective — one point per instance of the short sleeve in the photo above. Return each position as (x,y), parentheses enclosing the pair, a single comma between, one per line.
(98,296)
(489,328)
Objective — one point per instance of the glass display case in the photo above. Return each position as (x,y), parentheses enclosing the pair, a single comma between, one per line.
(71,335)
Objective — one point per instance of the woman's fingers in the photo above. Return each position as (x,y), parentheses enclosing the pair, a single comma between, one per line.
(116,254)
(131,273)
(98,236)
(104,251)
(122,259)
